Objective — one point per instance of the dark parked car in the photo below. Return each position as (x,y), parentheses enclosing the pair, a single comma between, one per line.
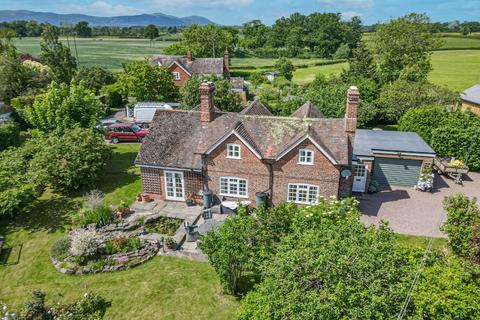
(125,132)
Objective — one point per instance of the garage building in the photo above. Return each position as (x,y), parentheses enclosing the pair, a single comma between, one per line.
(392,158)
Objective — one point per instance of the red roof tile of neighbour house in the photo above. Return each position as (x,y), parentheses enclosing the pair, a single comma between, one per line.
(256,108)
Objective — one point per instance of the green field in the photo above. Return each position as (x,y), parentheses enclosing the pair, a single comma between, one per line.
(108,52)
(448,41)
(458,70)
(306,75)
(163,288)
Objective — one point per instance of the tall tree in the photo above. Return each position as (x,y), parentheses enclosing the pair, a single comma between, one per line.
(57,56)
(94,77)
(147,82)
(83,30)
(285,67)
(404,47)
(150,32)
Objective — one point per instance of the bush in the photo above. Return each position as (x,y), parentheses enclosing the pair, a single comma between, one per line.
(463,226)
(9,135)
(101,216)
(61,248)
(71,161)
(94,77)
(83,243)
(114,97)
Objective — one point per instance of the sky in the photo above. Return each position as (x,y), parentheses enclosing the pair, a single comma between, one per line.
(235,12)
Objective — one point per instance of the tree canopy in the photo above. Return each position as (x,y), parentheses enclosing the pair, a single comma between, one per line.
(94,77)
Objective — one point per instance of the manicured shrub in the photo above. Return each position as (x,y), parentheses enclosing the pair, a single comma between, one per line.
(101,216)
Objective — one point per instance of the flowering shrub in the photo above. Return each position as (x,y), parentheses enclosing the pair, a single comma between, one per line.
(83,243)
(425,182)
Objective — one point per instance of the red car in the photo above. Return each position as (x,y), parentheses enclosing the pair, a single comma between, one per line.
(125,132)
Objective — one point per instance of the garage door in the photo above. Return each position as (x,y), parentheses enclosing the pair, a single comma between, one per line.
(397,172)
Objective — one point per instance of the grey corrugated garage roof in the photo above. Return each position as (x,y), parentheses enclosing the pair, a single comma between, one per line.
(368,141)
(471,94)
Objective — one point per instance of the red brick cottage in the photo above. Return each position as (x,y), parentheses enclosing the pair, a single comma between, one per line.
(297,158)
(185,67)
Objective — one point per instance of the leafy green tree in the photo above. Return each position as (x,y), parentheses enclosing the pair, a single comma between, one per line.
(331,267)
(114,97)
(447,290)
(94,77)
(73,160)
(18,184)
(399,96)
(63,107)
(225,99)
(403,48)
(83,30)
(34,29)
(56,55)
(205,41)
(254,34)
(147,82)
(150,32)
(463,221)
(361,64)
(9,135)
(285,67)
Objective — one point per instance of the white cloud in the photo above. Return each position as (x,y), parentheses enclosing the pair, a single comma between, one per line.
(347,15)
(350,3)
(198,3)
(102,8)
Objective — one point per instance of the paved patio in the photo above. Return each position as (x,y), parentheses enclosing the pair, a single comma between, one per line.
(414,212)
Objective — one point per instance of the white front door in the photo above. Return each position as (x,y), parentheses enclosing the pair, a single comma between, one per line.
(174,186)
(360,178)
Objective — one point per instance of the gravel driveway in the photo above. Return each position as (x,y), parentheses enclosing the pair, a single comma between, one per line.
(414,212)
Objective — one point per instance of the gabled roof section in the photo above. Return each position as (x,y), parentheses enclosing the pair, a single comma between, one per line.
(241,133)
(178,63)
(311,135)
(256,108)
(308,110)
(196,66)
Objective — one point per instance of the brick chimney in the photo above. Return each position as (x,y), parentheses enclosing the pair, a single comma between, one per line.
(226,64)
(207,107)
(189,56)
(353,98)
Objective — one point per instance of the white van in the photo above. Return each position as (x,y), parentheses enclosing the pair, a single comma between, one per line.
(143,112)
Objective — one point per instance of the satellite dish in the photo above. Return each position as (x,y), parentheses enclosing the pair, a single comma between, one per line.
(346,173)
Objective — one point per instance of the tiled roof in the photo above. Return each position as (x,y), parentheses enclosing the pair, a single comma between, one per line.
(177,138)
(308,110)
(196,66)
(256,108)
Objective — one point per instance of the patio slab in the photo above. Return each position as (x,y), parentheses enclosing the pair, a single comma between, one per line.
(414,212)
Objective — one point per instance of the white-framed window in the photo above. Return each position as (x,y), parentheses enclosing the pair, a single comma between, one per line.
(303,193)
(234,187)
(305,156)
(176,75)
(233,151)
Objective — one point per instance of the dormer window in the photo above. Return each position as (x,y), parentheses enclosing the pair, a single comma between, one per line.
(233,151)
(176,76)
(305,156)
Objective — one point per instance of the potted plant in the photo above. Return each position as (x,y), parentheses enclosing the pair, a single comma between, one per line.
(139,197)
(122,210)
(190,200)
(170,243)
(146,197)
(373,187)
(425,182)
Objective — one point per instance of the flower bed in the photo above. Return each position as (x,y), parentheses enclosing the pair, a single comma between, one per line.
(85,251)
(163,225)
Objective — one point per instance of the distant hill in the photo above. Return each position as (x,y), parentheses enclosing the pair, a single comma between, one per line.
(158,19)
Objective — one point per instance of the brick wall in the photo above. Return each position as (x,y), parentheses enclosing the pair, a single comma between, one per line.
(475,108)
(249,167)
(183,75)
(287,170)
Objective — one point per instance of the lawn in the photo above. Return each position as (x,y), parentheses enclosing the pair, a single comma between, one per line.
(107,52)
(306,75)
(458,70)
(163,288)
(421,242)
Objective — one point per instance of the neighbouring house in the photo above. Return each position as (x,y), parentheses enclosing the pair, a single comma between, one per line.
(236,155)
(185,67)
(271,75)
(471,99)
(241,87)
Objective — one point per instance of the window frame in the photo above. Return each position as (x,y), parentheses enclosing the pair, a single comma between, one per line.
(308,195)
(300,156)
(234,145)
(229,183)
(176,76)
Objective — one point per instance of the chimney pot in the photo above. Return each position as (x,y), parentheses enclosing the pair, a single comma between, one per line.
(189,56)
(353,99)
(207,106)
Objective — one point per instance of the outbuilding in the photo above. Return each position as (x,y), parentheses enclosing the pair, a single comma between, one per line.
(391,158)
